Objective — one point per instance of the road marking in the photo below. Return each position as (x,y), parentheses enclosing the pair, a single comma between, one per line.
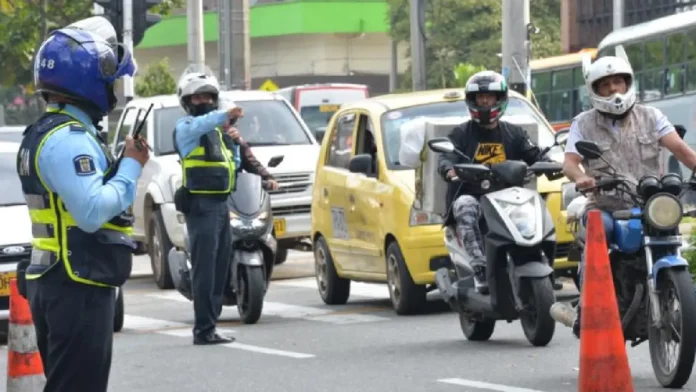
(140,323)
(270,351)
(187,333)
(484,385)
(359,289)
(289,311)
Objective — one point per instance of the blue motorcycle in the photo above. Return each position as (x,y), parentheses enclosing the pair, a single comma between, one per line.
(653,285)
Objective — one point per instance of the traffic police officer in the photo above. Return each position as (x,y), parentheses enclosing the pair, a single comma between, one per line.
(76,198)
(210,160)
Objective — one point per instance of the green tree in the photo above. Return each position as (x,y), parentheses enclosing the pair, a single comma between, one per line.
(25,23)
(464,71)
(157,80)
(469,31)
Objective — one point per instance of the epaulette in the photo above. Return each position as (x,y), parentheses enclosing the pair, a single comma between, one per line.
(77,128)
(51,120)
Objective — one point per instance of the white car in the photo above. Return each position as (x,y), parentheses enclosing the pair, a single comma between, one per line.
(271,127)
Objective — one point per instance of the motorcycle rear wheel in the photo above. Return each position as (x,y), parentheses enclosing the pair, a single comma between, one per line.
(251,288)
(681,322)
(537,324)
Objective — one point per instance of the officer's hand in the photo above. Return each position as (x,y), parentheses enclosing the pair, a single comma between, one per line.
(137,149)
(273,184)
(235,113)
(233,133)
(585,182)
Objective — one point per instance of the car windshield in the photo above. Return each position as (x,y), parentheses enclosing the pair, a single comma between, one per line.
(317,117)
(265,123)
(392,121)
(9,181)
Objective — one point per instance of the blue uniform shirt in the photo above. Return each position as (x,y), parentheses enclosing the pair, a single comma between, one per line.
(189,130)
(72,164)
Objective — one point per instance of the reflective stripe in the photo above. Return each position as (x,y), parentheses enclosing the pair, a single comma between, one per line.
(42,230)
(37,202)
(43,257)
(195,161)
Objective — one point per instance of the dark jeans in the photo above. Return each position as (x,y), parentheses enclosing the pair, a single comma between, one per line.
(74,325)
(210,248)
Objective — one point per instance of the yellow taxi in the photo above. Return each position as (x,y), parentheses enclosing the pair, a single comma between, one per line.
(363,225)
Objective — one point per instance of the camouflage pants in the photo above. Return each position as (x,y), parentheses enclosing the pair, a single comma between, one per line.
(467,213)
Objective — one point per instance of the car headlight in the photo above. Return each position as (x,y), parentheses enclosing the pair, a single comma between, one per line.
(420,218)
(663,211)
(568,194)
(262,216)
(522,216)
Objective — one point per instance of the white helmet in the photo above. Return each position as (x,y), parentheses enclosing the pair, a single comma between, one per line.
(197,80)
(617,104)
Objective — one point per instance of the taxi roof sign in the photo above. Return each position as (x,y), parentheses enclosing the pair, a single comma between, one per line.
(268,85)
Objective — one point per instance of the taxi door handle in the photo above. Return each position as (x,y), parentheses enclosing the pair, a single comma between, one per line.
(326,192)
(351,198)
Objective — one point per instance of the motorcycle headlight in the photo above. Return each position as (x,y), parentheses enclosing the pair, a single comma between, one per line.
(663,211)
(420,218)
(262,216)
(522,216)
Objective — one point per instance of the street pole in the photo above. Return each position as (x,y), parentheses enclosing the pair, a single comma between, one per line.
(196,48)
(418,45)
(240,57)
(618,14)
(224,51)
(128,90)
(516,44)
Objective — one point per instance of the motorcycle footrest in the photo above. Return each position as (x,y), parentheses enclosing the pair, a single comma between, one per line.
(444,284)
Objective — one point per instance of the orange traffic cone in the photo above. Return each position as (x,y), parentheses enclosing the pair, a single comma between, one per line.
(603,360)
(24,368)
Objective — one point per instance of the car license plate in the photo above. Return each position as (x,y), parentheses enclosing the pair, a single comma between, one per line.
(328,108)
(279,225)
(5,283)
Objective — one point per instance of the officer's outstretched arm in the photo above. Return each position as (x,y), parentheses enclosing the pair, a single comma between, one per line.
(69,163)
(190,129)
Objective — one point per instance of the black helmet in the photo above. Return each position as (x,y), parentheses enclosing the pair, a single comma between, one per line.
(486,82)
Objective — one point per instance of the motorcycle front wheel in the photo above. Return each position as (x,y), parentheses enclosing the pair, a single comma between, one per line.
(676,338)
(536,320)
(251,287)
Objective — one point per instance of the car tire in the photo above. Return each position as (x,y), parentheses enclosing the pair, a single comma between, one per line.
(159,246)
(406,296)
(333,289)
(281,256)
(119,311)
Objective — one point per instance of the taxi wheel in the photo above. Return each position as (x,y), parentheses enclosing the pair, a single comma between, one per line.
(159,246)
(333,289)
(407,297)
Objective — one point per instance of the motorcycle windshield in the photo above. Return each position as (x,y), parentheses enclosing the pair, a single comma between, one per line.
(248,198)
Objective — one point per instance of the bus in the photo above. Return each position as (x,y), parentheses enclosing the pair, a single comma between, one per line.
(662,53)
(558,87)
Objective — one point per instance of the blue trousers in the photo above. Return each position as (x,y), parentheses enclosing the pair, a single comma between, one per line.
(608,222)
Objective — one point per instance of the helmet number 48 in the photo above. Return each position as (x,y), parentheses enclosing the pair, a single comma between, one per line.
(47,64)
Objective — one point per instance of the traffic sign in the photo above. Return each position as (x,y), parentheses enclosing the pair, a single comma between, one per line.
(269,85)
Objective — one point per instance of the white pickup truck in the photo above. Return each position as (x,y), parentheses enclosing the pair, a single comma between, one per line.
(271,127)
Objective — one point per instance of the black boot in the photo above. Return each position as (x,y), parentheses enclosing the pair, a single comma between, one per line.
(576,323)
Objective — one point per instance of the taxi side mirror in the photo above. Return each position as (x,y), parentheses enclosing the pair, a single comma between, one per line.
(361,163)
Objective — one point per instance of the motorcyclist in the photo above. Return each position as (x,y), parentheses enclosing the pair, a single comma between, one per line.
(629,134)
(487,140)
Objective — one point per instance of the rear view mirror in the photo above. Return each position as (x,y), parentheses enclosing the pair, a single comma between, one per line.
(361,163)
(589,150)
(275,161)
(441,144)
(319,134)
(561,136)
(681,130)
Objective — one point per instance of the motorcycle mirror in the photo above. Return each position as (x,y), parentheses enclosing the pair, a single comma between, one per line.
(588,149)
(681,130)
(275,161)
(562,136)
(441,144)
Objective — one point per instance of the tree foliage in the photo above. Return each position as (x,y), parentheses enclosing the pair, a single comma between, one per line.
(469,31)
(156,80)
(25,23)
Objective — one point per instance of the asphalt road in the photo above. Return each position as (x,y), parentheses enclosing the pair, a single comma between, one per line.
(300,344)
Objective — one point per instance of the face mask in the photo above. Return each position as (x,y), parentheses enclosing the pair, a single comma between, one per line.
(202,108)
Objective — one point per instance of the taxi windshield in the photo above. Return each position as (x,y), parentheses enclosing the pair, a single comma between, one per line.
(392,121)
